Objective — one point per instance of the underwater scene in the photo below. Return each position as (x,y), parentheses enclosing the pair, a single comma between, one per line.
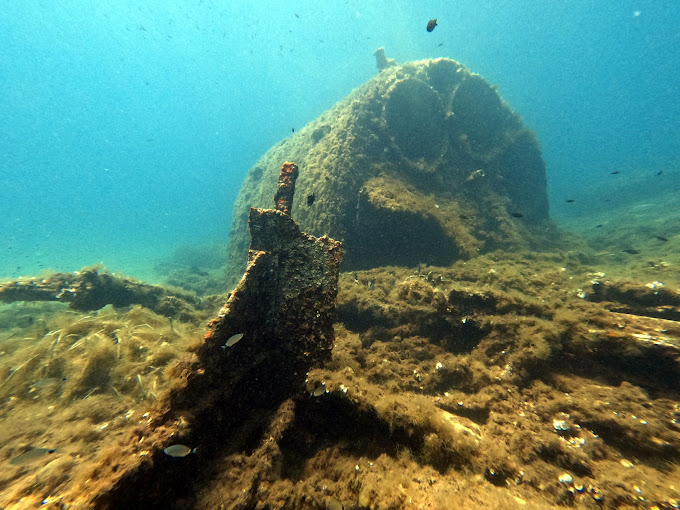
(340,255)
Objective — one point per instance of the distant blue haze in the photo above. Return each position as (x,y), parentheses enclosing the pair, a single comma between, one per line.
(126,127)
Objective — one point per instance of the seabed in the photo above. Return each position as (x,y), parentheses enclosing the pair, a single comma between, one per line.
(502,381)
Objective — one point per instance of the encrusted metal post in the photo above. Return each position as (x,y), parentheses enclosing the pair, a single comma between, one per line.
(283,199)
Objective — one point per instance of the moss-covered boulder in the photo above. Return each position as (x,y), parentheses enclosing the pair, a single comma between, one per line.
(423,163)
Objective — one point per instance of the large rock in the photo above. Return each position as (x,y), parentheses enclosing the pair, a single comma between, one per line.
(424,163)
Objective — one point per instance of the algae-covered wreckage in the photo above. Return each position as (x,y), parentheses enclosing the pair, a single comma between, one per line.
(475,356)
(425,163)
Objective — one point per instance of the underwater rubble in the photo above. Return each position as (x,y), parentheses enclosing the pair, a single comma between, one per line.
(492,382)
(92,289)
(275,325)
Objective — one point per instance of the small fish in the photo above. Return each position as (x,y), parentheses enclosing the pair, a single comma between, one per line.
(310,199)
(516,215)
(570,200)
(615,172)
(46,382)
(233,339)
(32,456)
(463,217)
(292,130)
(631,251)
(431,24)
(476,175)
(659,172)
(440,44)
(178,450)
(599,226)
(297,15)
(662,238)
(320,390)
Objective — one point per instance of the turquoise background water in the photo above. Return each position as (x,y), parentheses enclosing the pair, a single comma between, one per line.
(126,127)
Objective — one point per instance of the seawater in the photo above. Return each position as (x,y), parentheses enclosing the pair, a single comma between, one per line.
(127,128)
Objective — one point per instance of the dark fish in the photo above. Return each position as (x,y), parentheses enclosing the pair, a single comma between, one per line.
(615,172)
(631,251)
(297,15)
(197,271)
(310,199)
(659,172)
(31,456)
(662,238)
(570,200)
(599,226)
(292,130)
(431,24)
(516,215)
(463,217)
(440,44)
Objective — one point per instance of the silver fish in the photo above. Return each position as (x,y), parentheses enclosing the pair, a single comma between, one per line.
(46,382)
(178,450)
(31,456)
(334,504)
(320,390)
(233,339)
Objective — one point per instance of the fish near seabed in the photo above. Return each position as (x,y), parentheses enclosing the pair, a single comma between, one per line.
(431,24)
(32,456)
(233,339)
(178,451)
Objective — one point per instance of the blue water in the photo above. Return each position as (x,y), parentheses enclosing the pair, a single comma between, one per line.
(126,127)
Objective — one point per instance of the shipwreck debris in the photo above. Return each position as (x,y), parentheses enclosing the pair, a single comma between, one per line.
(381,61)
(285,306)
(286,300)
(650,300)
(391,162)
(92,289)
(286,188)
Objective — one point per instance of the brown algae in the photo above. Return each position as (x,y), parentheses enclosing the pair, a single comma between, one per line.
(78,383)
